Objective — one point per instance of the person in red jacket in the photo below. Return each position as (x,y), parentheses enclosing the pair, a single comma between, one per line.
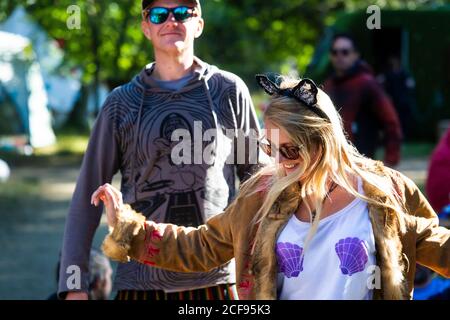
(438,182)
(362,103)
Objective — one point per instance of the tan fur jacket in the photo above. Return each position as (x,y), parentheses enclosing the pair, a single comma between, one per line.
(231,234)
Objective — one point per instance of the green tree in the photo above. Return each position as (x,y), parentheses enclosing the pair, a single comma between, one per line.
(243,36)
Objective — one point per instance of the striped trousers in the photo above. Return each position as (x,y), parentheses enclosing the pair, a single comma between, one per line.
(219,292)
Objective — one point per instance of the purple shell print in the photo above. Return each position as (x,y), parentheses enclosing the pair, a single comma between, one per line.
(353,255)
(290,259)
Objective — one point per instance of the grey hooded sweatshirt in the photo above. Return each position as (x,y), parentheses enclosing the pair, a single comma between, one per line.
(133,135)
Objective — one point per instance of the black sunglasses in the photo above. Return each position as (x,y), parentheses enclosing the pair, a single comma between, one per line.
(344,52)
(159,15)
(288,152)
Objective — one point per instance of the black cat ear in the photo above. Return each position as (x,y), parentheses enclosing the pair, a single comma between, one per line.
(267,84)
(306,91)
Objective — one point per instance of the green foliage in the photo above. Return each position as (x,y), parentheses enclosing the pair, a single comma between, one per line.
(243,36)
(68,150)
(109,40)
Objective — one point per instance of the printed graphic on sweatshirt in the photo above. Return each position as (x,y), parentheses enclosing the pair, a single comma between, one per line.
(176,186)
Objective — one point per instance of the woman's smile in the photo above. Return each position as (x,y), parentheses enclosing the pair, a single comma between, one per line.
(290,167)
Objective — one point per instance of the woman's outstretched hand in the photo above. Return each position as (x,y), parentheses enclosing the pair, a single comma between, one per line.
(112,198)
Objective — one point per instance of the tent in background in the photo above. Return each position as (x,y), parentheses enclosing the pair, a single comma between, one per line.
(62,86)
(23,98)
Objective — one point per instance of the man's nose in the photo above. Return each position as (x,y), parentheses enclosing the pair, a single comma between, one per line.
(172,18)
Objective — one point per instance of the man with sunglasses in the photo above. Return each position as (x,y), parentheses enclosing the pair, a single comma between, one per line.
(134,133)
(364,106)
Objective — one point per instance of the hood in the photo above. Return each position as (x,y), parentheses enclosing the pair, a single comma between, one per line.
(202,73)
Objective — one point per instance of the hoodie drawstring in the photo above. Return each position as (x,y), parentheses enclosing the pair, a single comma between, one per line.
(135,145)
(211,105)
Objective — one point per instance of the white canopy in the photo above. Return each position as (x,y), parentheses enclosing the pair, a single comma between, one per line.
(12,43)
(63,89)
(21,79)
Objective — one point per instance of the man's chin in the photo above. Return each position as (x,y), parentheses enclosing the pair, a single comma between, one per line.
(176,46)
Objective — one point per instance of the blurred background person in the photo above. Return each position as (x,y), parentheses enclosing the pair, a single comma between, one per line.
(428,285)
(363,105)
(399,85)
(100,277)
(438,182)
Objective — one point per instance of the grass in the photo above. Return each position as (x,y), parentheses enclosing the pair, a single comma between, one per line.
(411,150)
(66,145)
(68,151)
(417,150)
(18,188)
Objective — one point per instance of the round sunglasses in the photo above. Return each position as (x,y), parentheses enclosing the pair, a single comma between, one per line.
(288,152)
(159,15)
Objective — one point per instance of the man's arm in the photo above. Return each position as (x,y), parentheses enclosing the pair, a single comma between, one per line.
(100,163)
(387,116)
(250,159)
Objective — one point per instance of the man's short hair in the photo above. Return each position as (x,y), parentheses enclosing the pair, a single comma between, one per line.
(345,35)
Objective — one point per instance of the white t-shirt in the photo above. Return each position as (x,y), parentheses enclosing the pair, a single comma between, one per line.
(339,263)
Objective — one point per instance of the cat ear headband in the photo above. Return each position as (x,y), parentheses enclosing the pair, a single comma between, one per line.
(305,92)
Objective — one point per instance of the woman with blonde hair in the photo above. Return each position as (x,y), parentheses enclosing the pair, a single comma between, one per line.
(321,222)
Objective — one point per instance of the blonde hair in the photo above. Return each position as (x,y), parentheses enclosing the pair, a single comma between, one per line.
(338,159)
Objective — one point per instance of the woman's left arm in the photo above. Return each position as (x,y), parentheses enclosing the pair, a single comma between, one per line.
(432,241)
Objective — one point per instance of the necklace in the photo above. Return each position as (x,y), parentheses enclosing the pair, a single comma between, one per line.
(330,191)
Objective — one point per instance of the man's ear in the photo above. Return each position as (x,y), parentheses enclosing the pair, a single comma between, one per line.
(200,27)
(146,30)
